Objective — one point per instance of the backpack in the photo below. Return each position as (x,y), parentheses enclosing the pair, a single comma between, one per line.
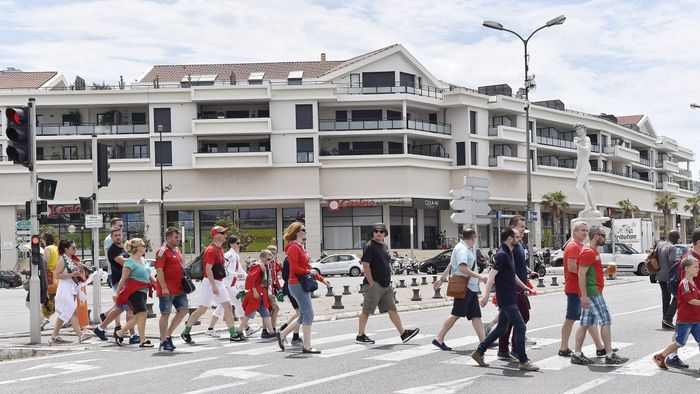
(196,268)
(652,262)
(285,276)
(674,278)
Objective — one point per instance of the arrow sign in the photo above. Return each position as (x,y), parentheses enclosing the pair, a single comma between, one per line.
(474,207)
(76,366)
(238,372)
(454,386)
(23,224)
(468,218)
(476,181)
(472,194)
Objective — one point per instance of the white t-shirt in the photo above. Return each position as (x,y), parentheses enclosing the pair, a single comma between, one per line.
(233,269)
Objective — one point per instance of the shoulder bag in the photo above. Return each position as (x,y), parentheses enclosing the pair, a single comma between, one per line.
(308,282)
(457,286)
(187,283)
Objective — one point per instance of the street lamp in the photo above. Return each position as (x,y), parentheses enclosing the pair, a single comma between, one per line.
(529,82)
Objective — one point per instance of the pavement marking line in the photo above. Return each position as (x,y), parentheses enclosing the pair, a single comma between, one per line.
(401,355)
(637,311)
(272,349)
(587,386)
(28,378)
(144,369)
(646,367)
(65,354)
(216,388)
(557,363)
(442,388)
(328,379)
(343,350)
(386,329)
(543,342)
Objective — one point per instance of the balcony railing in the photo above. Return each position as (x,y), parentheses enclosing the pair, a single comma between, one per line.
(385,124)
(685,172)
(659,163)
(417,150)
(556,142)
(644,161)
(89,129)
(556,163)
(622,174)
(493,159)
(417,89)
(113,155)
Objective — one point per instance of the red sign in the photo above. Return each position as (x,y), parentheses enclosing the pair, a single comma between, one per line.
(337,205)
(55,210)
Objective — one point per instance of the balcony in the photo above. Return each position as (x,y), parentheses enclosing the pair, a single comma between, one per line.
(559,143)
(685,173)
(88,129)
(507,163)
(632,175)
(229,126)
(382,158)
(231,160)
(549,162)
(665,144)
(666,166)
(385,124)
(644,161)
(622,153)
(416,89)
(507,133)
(670,187)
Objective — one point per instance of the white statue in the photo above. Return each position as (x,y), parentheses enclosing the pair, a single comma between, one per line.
(583,170)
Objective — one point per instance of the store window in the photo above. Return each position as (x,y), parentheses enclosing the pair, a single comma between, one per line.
(349,228)
(400,227)
(290,215)
(260,226)
(207,220)
(431,226)
(180,220)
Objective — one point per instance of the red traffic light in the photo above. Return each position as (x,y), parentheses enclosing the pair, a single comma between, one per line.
(36,240)
(15,115)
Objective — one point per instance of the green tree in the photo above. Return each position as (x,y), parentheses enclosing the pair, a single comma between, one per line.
(666,204)
(628,209)
(556,204)
(233,229)
(142,232)
(693,206)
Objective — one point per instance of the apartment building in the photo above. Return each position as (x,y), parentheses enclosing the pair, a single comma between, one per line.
(342,143)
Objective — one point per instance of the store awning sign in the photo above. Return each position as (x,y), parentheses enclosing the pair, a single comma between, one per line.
(430,203)
(337,205)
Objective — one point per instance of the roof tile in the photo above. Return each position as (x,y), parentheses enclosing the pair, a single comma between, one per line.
(24,80)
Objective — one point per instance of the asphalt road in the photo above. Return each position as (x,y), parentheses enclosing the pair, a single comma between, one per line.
(388,366)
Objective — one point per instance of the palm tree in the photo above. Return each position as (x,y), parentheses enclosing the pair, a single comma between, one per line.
(555,202)
(628,209)
(693,206)
(666,204)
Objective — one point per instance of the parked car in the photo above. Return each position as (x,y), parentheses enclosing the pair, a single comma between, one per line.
(339,264)
(105,269)
(681,250)
(436,264)
(626,257)
(10,279)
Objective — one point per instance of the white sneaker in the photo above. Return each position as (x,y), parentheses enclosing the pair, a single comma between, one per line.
(530,342)
(213,333)
(251,330)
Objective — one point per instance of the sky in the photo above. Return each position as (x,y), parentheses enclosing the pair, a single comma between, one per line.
(617,57)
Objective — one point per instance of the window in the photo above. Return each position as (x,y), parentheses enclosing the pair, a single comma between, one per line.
(237,114)
(39,152)
(264,146)
(139,151)
(369,147)
(210,147)
(263,113)
(70,152)
(305,150)
(256,78)
(431,227)
(400,219)
(472,122)
(260,225)
(295,77)
(355,80)
(349,228)
(432,118)
(305,113)
(461,153)
(180,219)
(290,215)
(208,219)
(395,148)
(406,79)
(383,78)
(341,116)
(164,153)
(472,152)
(161,120)
(138,118)
(502,150)
(393,115)
(238,147)
(366,114)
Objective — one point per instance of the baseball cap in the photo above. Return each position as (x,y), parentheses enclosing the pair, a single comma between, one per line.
(380,226)
(218,229)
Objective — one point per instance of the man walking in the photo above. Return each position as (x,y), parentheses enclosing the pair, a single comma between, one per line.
(115,222)
(377,266)
(503,275)
(169,287)
(594,309)
(666,255)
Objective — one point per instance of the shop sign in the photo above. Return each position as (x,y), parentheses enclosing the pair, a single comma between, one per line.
(55,210)
(428,203)
(337,205)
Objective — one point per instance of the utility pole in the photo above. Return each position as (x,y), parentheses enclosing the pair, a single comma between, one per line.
(34,283)
(97,278)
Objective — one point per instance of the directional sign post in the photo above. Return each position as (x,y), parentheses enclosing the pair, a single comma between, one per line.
(23,225)
(471,202)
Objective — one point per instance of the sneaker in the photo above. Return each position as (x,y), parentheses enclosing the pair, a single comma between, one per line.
(615,360)
(237,338)
(311,351)
(44,323)
(100,333)
(170,341)
(166,346)
(565,353)
(504,356)
(134,340)
(530,342)
(659,360)
(441,346)
(280,340)
(667,325)
(479,358)
(580,360)
(250,331)
(528,366)
(297,341)
(213,333)
(103,317)
(676,362)
(266,335)
(187,338)
(409,334)
(363,339)
(601,352)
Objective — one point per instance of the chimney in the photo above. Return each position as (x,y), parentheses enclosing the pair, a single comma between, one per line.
(323,57)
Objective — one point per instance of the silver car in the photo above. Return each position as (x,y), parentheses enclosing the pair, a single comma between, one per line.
(339,264)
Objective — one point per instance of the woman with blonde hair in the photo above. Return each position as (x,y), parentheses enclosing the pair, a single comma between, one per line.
(258,299)
(69,275)
(300,272)
(135,285)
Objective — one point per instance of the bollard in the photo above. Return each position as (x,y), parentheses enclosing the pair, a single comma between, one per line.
(437,293)
(424,281)
(338,303)
(149,311)
(541,282)
(396,300)
(554,281)
(362,289)
(346,290)
(314,295)
(434,278)
(330,291)
(402,283)
(191,310)
(414,282)
(416,295)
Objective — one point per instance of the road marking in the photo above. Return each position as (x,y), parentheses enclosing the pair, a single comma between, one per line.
(63,354)
(646,367)
(271,349)
(343,350)
(328,379)
(542,342)
(442,388)
(557,363)
(637,311)
(216,388)
(28,378)
(587,386)
(401,355)
(386,329)
(144,369)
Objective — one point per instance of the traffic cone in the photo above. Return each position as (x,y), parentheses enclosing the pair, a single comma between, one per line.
(82,312)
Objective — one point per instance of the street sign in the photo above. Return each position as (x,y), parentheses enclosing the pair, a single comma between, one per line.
(473,207)
(23,232)
(476,181)
(23,224)
(472,194)
(468,218)
(93,221)
(498,214)
(533,216)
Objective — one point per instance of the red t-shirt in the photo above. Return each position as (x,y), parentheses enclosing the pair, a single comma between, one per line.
(212,255)
(682,273)
(590,257)
(688,313)
(170,261)
(571,251)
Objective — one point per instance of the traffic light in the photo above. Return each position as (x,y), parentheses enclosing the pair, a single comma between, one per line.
(102,165)
(36,242)
(20,142)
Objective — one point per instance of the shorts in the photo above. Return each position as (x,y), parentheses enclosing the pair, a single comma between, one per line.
(573,306)
(119,307)
(236,302)
(683,331)
(166,303)
(379,296)
(597,312)
(264,312)
(137,301)
(206,295)
(467,307)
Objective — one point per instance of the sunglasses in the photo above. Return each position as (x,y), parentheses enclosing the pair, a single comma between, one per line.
(303,230)
(379,231)
(221,232)
(237,243)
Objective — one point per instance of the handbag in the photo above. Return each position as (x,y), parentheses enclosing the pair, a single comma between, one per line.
(187,283)
(219,271)
(308,282)
(457,286)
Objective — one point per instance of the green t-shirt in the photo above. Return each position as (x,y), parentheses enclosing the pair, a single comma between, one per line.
(139,271)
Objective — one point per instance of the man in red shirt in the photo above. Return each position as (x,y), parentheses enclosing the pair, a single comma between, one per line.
(169,287)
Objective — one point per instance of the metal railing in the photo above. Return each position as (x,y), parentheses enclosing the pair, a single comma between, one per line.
(556,142)
(87,156)
(622,174)
(433,150)
(685,172)
(90,129)
(645,161)
(417,89)
(385,124)
(421,150)
(547,162)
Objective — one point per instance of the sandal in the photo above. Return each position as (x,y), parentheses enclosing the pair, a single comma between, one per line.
(146,344)
(84,338)
(117,339)
(58,339)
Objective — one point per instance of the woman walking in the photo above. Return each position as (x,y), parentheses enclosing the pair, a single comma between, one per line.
(258,299)
(69,275)
(135,285)
(300,270)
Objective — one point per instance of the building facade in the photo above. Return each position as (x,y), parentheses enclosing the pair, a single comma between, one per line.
(342,143)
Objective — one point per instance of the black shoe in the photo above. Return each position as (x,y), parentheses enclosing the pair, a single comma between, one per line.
(442,346)
(166,346)
(238,337)
(311,351)
(187,338)
(280,341)
(667,325)
(580,360)
(117,328)
(103,317)
(117,339)
(266,335)
(504,356)
(364,339)
(676,362)
(170,341)
(100,333)
(566,353)
(601,352)
(409,334)
(297,341)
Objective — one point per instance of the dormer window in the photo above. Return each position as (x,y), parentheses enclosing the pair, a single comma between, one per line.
(295,77)
(197,80)
(256,78)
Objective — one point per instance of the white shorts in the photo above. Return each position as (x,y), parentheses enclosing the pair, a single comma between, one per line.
(207,297)
(237,305)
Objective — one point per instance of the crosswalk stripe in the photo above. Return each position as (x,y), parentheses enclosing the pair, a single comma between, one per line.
(543,342)
(557,363)
(442,388)
(401,355)
(343,350)
(588,385)
(646,367)
(271,349)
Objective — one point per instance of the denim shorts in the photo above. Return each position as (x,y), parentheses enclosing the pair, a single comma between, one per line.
(303,298)
(264,312)
(573,306)
(120,307)
(166,303)
(597,312)
(683,331)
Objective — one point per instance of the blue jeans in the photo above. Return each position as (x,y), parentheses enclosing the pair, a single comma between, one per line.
(303,298)
(264,312)
(508,315)
(166,303)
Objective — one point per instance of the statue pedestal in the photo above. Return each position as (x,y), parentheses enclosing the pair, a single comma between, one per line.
(592,218)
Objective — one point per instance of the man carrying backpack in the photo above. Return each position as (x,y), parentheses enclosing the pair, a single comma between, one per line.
(666,256)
